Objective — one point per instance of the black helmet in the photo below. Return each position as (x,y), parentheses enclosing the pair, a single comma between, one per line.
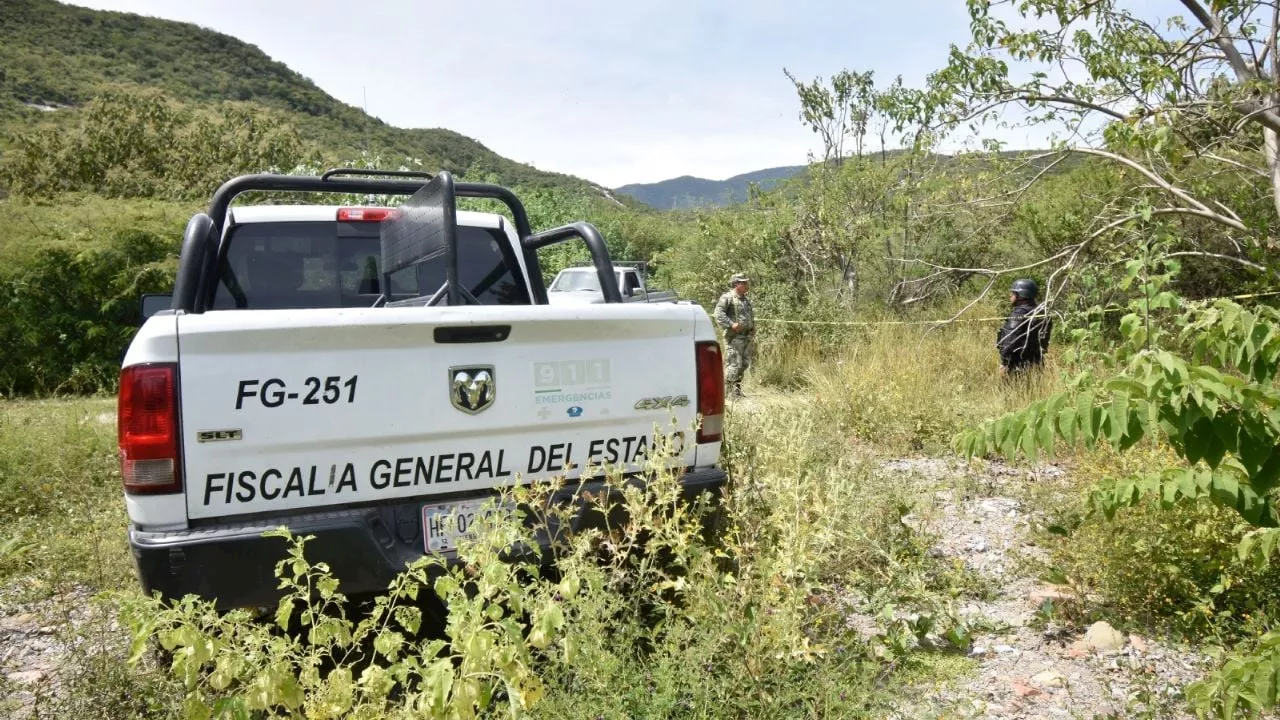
(1025,289)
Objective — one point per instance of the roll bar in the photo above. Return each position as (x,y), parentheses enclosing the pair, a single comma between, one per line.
(204,243)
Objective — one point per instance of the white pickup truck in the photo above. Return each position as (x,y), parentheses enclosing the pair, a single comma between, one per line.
(581,285)
(365,374)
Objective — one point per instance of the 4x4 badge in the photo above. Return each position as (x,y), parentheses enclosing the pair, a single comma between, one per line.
(472,389)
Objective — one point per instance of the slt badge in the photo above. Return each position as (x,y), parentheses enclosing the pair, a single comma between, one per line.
(472,389)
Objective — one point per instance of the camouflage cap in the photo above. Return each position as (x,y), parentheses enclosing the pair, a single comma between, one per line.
(739,278)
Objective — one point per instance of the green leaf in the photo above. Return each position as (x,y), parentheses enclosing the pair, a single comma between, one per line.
(1264,687)
(1045,433)
(327,585)
(1130,325)
(1186,483)
(194,708)
(1267,476)
(410,618)
(1215,450)
(1226,429)
(388,644)
(1012,434)
(1133,433)
(1086,415)
(1119,415)
(1196,441)
(1067,425)
(1028,442)
(283,612)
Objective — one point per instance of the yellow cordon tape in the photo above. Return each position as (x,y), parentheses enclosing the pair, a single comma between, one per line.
(867,323)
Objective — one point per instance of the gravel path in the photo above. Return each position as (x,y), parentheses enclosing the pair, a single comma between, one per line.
(1029,668)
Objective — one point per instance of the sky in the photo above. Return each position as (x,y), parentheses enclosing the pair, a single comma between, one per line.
(612,92)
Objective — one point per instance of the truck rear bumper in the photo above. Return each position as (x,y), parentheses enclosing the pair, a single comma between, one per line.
(365,548)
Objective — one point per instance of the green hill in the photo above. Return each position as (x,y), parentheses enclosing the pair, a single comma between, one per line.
(54,58)
(688,192)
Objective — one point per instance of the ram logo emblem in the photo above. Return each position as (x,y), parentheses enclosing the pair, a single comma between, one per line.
(472,389)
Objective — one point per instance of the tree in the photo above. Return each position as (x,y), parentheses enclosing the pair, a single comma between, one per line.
(1187,109)
(837,113)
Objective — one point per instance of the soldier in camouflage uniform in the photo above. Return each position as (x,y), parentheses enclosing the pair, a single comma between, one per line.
(733,314)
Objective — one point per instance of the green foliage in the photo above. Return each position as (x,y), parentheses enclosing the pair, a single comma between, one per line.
(1161,571)
(1245,686)
(138,144)
(1217,407)
(67,315)
(1203,385)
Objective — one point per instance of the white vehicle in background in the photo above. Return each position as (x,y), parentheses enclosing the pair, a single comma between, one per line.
(370,376)
(581,285)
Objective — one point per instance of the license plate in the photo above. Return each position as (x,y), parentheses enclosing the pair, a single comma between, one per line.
(445,524)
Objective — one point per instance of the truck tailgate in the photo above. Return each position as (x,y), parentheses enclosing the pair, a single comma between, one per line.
(293,409)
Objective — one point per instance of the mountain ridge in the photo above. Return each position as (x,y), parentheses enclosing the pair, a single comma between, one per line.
(55,57)
(689,191)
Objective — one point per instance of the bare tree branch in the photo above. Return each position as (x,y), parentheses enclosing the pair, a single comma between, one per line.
(1268,118)
(1219,256)
(1201,209)
(1073,101)
(1236,163)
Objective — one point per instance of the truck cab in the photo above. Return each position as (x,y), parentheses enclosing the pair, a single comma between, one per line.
(581,285)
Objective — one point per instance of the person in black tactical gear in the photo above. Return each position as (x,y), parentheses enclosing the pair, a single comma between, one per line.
(1024,337)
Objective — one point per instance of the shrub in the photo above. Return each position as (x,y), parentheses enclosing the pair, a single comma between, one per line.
(67,314)
(1164,571)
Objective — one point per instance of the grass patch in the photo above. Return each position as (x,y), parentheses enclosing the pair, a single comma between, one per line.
(902,388)
(62,516)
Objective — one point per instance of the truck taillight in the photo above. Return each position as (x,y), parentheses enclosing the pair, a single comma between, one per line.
(710,390)
(366,214)
(147,420)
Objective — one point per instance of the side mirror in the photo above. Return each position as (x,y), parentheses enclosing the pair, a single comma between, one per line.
(153,303)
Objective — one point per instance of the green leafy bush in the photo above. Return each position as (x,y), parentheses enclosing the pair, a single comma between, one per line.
(647,619)
(1164,571)
(134,143)
(67,314)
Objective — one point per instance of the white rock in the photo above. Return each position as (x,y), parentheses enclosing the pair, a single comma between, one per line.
(1102,637)
(26,677)
(1049,678)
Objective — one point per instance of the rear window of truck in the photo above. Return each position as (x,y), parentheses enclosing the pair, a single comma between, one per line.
(337,264)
